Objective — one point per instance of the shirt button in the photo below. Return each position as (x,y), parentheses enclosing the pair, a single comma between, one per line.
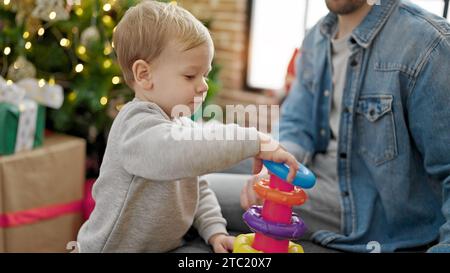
(322,132)
(326,93)
(345,194)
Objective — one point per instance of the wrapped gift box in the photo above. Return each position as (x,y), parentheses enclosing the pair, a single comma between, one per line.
(9,123)
(41,194)
(22,113)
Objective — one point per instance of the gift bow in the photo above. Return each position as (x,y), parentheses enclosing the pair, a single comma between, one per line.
(26,94)
(50,95)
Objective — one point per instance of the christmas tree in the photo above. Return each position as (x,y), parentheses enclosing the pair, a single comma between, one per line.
(69,42)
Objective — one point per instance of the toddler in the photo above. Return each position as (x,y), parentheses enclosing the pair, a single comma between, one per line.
(149,193)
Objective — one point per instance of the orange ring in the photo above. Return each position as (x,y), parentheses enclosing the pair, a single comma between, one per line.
(294,198)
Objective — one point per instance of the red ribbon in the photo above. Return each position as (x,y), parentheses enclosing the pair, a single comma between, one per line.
(24,217)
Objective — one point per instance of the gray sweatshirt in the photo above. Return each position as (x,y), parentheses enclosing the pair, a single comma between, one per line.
(149,192)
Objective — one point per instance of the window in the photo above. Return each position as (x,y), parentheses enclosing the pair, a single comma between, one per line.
(276,30)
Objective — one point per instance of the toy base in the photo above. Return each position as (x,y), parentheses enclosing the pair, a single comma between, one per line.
(243,244)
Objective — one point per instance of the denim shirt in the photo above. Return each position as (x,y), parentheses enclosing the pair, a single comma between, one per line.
(394,141)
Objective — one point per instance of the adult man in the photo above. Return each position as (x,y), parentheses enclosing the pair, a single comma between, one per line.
(369,114)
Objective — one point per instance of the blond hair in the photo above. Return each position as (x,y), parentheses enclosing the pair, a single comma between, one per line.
(145,30)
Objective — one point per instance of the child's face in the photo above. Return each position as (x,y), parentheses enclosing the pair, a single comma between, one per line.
(179,76)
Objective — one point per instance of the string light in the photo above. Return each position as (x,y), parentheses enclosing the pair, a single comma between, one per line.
(107,7)
(115,80)
(107,63)
(51,81)
(103,100)
(41,82)
(28,45)
(79,68)
(6,2)
(9,82)
(107,20)
(81,50)
(26,34)
(7,50)
(72,95)
(64,42)
(52,15)
(107,50)
(41,31)
(79,11)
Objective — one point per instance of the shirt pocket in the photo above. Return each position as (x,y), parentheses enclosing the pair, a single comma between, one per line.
(376,128)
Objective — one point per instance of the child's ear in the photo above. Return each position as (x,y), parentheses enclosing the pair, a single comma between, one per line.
(142,74)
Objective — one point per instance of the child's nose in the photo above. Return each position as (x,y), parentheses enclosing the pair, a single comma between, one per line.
(203,87)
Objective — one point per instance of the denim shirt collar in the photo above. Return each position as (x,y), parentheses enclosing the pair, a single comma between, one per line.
(366,32)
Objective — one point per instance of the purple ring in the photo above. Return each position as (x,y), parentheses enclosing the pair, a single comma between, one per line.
(252,217)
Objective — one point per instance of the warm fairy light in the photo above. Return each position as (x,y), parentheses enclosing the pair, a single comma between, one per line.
(112,44)
(107,20)
(103,100)
(107,50)
(115,80)
(72,96)
(52,15)
(6,2)
(41,31)
(9,82)
(107,7)
(41,82)
(64,42)
(81,50)
(79,68)
(51,81)
(7,50)
(114,29)
(26,34)
(107,63)
(79,11)
(28,45)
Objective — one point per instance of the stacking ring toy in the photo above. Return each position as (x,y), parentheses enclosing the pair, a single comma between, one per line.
(274,223)
(278,231)
(304,177)
(295,198)
(243,244)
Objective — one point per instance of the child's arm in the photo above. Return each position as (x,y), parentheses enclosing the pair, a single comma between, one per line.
(149,148)
(208,219)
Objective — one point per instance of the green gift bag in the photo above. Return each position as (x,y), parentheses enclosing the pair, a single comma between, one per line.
(9,125)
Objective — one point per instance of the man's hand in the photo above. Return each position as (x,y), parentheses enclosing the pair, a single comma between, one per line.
(222,243)
(248,194)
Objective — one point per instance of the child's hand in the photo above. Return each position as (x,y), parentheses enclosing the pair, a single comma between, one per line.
(222,243)
(271,150)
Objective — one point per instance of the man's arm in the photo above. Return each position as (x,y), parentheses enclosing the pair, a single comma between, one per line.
(429,122)
(296,126)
